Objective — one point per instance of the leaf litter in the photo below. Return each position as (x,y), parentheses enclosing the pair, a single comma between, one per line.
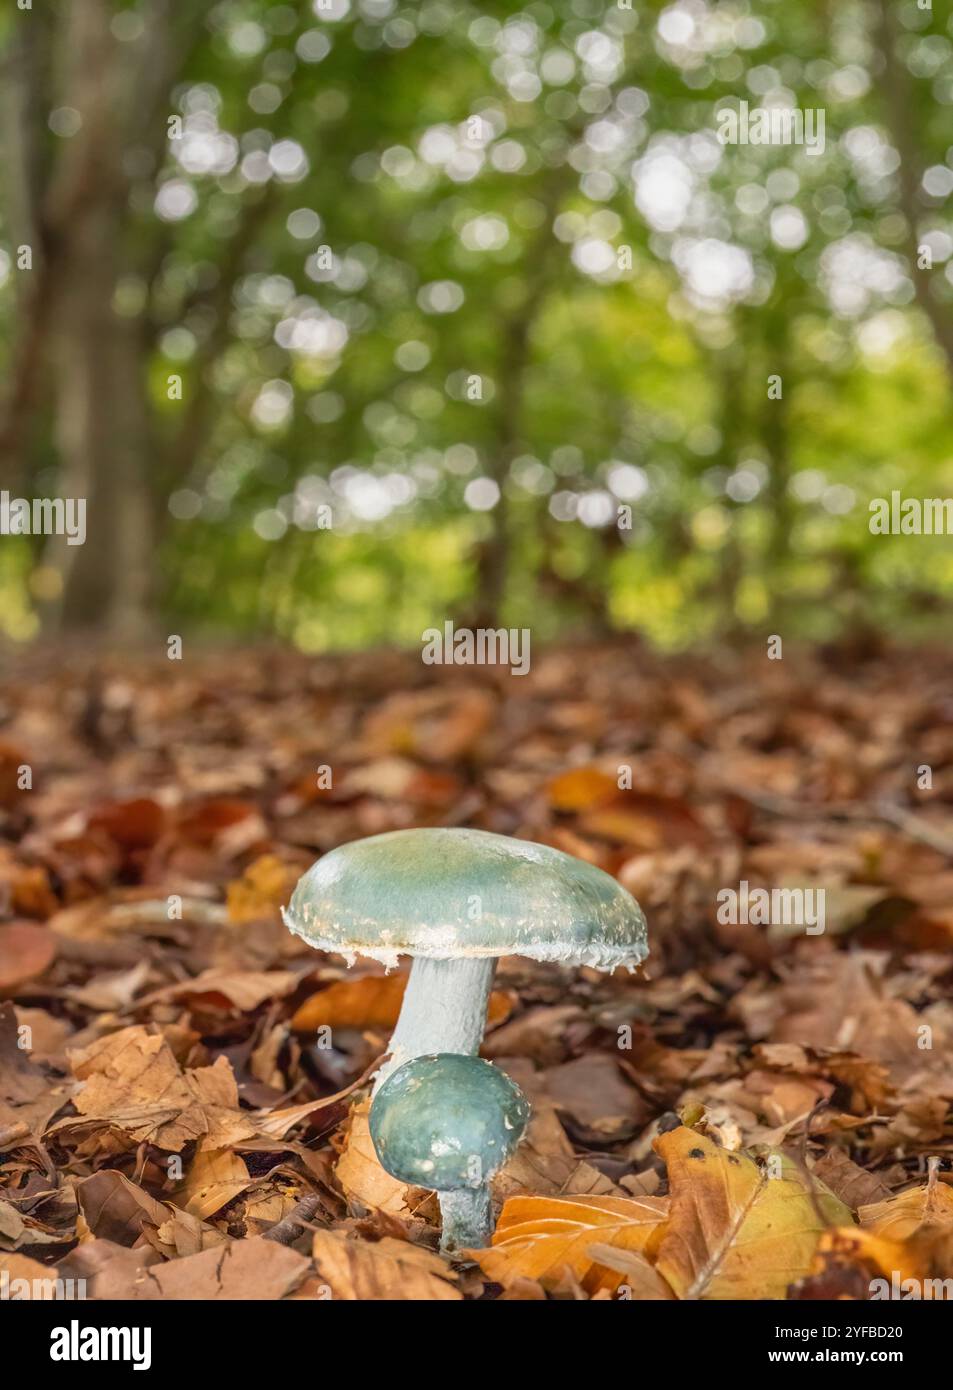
(759,1113)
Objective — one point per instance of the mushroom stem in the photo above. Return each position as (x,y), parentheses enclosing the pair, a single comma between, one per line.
(466,1218)
(444,1010)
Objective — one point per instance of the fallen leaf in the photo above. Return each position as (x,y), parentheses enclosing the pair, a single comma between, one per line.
(263,888)
(134,824)
(132,1081)
(541,1237)
(111,1271)
(26,1278)
(215,1178)
(116,1209)
(847,1180)
(237,989)
(580,788)
(120,1212)
(26,952)
(359,1172)
(253,1269)
(112,991)
(601,1105)
(734,1231)
(372,1001)
(909,1213)
(387,1269)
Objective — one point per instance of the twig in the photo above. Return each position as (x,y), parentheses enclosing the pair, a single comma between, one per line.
(286,1231)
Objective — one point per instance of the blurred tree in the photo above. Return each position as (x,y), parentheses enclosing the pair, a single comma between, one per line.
(482,289)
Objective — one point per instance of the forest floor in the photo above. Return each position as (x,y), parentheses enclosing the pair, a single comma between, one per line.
(763,1110)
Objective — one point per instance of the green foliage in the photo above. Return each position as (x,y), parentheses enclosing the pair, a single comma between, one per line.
(539,265)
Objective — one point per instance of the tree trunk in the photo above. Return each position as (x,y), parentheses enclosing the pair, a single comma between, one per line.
(101,423)
(898,103)
(103,441)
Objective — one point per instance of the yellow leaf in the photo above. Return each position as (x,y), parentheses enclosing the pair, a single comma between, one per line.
(264,887)
(541,1237)
(734,1230)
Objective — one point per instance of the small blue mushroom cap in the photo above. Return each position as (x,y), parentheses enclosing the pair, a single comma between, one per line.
(447,1121)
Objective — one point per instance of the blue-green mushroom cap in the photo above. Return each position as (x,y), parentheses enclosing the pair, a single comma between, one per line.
(447,893)
(447,1122)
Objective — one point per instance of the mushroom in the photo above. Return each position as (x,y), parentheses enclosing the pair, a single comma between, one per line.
(449,1122)
(456,900)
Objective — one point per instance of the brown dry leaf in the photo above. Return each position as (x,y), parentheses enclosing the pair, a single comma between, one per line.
(118,1211)
(254,1268)
(28,1099)
(24,1275)
(19,1229)
(921,1120)
(134,824)
(601,1105)
(215,1178)
(372,1001)
(536,1033)
(111,991)
(132,1082)
(21,1080)
(400,779)
(110,1271)
(587,1181)
(357,1270)
(243,990)
(646,821)
(734,1231)
(544,1162)
(781,1099)
(359,1171)
(434,725)
(541,1237)
(48,1034)
(848,1181)
(26,952)
(225,823)
(11,760)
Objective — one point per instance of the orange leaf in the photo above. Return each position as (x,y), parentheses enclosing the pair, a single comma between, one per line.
(580,788)
(914,1212)
(541,1237)
(371,1001)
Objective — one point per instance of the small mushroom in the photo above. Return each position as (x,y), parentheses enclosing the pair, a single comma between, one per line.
(449,1123)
